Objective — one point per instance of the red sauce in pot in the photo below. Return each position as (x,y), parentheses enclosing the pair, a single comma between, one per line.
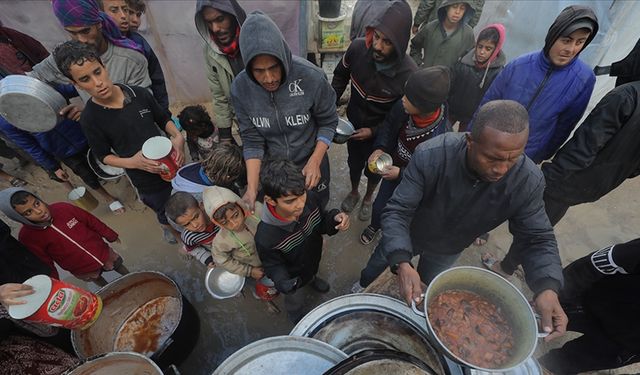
(472,328)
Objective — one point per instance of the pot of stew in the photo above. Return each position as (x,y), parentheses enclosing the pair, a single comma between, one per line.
(479,319)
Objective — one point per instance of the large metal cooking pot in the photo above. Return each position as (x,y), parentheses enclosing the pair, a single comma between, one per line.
(122,298)
(498,291)
(358,322)
(344,131)
(381,362)
(30,104)
(282,355)
(129,363)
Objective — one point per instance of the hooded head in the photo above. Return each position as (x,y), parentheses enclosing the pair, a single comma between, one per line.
(443,10)
(395,23)
(262,42)
(74,15)
(571,32)
(492,36)
(29,204)
(427,89)
(217,29)
(223,207)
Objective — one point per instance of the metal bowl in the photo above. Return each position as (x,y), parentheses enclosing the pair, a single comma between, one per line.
(344,131)
(223,284)
(103,171)
(30,104)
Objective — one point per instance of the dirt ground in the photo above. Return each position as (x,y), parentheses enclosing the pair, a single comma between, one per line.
(227,325)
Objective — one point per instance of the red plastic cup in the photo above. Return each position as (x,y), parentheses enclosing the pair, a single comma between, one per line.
(161,150)
(57,303)
(266,289)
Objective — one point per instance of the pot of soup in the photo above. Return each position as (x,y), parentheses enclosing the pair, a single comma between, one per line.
(479,319)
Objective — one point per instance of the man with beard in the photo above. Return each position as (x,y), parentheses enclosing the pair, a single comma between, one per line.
(286,108)
(86,23)
(219,22)
(118,10)
(377,67)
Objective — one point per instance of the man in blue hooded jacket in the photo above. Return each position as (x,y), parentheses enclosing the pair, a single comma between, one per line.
(285,107)
(552,84)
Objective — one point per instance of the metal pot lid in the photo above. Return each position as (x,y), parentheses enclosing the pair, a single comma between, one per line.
(30,104)
(364,321)
(282,355)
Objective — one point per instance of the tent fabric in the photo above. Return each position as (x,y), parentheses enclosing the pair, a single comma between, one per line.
(168,27)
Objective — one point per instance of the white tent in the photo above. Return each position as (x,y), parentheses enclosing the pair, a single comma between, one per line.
(169,28)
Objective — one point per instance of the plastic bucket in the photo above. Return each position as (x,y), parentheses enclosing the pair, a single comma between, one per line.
(161,150)
(82,198)
(57,303)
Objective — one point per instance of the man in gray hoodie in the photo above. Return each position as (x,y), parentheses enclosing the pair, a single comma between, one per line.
(218,23)
(285,107)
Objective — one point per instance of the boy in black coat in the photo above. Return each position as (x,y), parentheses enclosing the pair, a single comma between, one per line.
(289,236)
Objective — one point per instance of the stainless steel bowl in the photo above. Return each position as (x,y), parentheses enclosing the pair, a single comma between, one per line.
(30,104)
(223,284)
(344,131)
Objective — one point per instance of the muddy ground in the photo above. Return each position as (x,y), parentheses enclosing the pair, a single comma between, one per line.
(227,325)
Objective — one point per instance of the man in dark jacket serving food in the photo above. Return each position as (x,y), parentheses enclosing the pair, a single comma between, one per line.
(458,186)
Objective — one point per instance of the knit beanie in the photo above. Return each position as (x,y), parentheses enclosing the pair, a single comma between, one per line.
(428,88)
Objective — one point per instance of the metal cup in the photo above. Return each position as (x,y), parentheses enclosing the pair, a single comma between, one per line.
(380,163)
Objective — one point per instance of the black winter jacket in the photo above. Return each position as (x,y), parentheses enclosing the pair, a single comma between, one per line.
(292,250)
(603,152)
(605,285)
(373,91)
(441,207)
(466,93)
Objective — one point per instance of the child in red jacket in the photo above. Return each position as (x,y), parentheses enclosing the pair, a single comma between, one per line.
(65,234)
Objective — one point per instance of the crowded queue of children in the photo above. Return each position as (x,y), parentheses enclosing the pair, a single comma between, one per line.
(285,109)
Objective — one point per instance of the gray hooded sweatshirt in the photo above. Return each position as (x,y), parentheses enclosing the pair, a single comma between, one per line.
(7,208)
(285,123)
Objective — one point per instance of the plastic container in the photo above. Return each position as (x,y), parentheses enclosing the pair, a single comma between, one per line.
(161,150)
(82,198)
(57,303)
(332,32)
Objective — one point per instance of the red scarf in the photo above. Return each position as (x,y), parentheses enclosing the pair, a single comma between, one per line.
(272,210)
(232,49)
(422,122)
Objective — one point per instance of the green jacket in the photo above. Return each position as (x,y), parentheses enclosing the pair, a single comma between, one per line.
(219,72)
(427,12)
(432,46)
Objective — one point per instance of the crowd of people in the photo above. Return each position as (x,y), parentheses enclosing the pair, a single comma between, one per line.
(475,140)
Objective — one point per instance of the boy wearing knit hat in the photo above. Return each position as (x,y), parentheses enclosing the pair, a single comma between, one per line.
(419,116)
